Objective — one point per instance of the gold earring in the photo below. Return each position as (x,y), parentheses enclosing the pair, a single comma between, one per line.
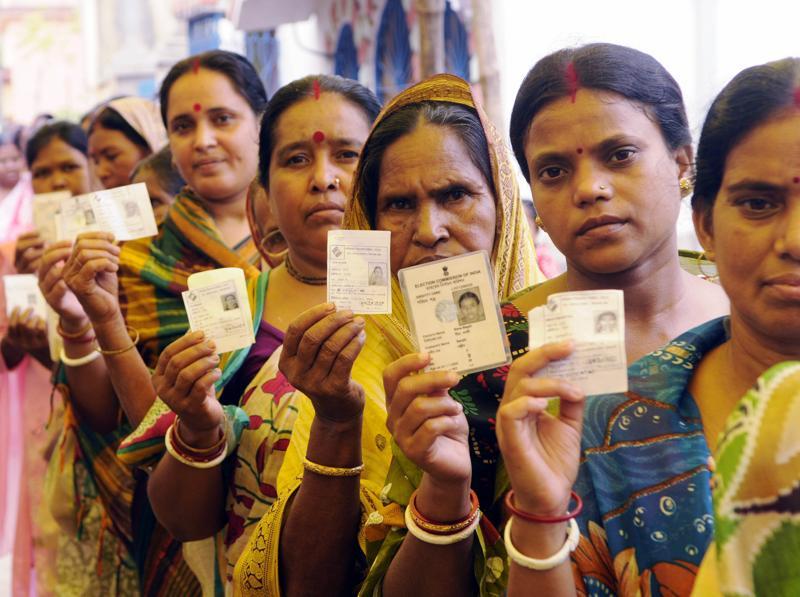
(538,221)
(685,185)
(701,260)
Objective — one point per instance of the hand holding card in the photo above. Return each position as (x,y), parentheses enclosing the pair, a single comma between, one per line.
(217,304)
(22,291)
(358,271)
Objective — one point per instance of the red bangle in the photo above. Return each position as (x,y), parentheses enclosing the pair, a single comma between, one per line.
(545,519)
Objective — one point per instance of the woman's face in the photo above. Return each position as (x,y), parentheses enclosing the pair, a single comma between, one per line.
(113,156)
(604,182)
(213,135)
(433,199)
(754,232)
(316,147)
(60,167)
(11,165)
(160,198)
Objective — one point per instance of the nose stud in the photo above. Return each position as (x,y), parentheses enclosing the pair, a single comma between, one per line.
(336,182)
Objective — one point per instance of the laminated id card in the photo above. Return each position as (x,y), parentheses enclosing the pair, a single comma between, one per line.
(454,313)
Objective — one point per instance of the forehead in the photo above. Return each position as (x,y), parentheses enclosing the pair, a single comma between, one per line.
(102,135)
(57,150)
(592,117)
(332,114)
(209,88)
(431,155)
(771,151)
(9,150)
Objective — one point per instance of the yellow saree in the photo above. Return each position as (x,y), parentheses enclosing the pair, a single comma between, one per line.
(388,338)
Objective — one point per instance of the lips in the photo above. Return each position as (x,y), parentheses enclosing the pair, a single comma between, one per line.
(206,162)
(326,206)
(598,221)
(784,280)
(429,259)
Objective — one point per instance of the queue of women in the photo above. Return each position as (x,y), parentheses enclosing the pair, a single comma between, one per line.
(325,459)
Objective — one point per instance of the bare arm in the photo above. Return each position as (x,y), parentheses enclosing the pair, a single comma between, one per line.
(189,502)
(319,350)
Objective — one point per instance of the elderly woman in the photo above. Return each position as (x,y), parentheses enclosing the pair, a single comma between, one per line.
(434,173)
(725,386)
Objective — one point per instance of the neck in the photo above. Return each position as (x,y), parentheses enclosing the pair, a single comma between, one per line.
(230,218)
(652,290)
(307,266)
(749,353)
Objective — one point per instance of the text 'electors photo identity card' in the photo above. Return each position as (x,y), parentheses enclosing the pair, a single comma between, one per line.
(595,321)
(454,313)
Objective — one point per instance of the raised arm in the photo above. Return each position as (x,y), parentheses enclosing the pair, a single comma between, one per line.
(319,350)
(187,498)
(26,334)
(541,453)
(91,274)
(431,430)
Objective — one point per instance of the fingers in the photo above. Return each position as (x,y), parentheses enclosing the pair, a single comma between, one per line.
(318,334)
(181,344)
(90,237)
(188,366)
(204,386)
(298,327)
(57,252)
(330,349)
(397,370)
(422,410)
(539,389)
(412,387)
(342,368)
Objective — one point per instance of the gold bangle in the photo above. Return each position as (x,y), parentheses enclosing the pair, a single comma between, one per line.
(332,471)
(75,335)
(444,528)
(115,351)
(186,447)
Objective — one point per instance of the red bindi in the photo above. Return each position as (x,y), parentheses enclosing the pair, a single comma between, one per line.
(580,150)
(197,107)
(316,89)
(796,180)
(196,65)
(572,81)
(318,137)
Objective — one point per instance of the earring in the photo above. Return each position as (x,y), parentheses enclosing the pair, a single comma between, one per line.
(685,185)
(701,260)
(539,224)
(271,241)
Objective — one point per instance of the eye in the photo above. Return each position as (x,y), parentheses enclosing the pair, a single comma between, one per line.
(223,119)
(456,193)
(398,204)
(41,173)
(551,173)
(69,167)
(757,207)
(348,155)
(298,159)
(180,126)
(622,154)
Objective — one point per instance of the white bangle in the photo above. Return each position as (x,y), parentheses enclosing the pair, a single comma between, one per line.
(427,537)
(558,558)
(80,361)
(191,463)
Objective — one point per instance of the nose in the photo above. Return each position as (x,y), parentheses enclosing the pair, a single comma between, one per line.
(323,176)
(787,242)
(590,184)
(204,135)
(431,224)
(58,181)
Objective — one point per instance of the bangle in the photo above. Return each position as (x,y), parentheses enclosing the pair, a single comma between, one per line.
(545,519)
(202,463)
(77,336)
(115,351)
(558,558)
(198,453)
(332,471)
(434,539)
(443,528)
(79,361)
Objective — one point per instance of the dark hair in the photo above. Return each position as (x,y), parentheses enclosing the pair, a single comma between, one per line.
(468,295)
(69,132)
(110,119)
(462,120)
(606,67)
(237,68)
(298,90)
(750,99)
(160,164)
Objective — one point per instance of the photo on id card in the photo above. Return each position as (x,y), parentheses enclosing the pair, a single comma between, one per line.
(454,313)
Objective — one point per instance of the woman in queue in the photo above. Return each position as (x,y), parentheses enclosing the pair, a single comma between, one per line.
(311,137)
(731,382)
(435,174)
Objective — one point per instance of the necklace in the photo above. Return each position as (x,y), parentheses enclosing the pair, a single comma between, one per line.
(300,277)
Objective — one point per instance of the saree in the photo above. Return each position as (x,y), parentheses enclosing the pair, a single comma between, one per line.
(757,493)
(643,478)
(153,273)
(388,337)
